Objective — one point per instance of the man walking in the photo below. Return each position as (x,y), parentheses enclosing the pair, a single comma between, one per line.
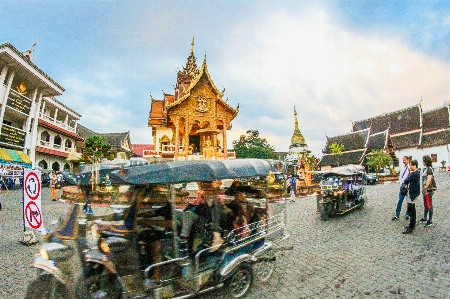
(404,172)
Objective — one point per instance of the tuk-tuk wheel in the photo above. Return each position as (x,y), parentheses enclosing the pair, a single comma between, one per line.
(46,287)
(263,270)
(99,283)
(238,284)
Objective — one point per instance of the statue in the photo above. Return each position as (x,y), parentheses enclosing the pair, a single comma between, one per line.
(208,151)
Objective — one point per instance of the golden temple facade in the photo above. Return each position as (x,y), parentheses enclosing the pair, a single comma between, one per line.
(193,122)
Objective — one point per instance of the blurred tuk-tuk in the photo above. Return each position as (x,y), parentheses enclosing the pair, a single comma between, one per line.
(166,240)
(341,190)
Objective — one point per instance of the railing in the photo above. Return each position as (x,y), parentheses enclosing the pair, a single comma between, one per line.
(44,143)
(58,123)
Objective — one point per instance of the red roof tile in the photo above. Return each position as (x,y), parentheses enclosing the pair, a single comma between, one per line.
(59,129)
(51,152)
(138,149)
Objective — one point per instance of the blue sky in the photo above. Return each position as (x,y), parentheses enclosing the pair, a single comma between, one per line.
(336,61)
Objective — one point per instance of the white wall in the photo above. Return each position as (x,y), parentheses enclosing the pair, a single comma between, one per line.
(417,154)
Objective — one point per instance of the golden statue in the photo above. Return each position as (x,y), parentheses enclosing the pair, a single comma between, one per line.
(208,151)
(22,88)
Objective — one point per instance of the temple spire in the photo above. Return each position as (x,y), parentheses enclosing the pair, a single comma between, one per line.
(297,137)
(191,64)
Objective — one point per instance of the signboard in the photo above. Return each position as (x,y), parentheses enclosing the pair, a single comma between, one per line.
(12,136)
(19,102)
(32,212)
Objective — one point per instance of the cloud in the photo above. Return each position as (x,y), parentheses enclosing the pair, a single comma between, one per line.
(331,74)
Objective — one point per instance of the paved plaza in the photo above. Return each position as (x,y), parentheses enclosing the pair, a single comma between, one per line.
(359,255)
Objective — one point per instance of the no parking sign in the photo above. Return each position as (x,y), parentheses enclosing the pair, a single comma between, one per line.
(32,212)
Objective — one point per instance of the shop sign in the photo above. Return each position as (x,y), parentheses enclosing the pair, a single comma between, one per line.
(19,102)
(13,136)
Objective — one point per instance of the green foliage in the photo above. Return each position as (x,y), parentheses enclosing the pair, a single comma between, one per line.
(95,149)
(338,149)
(252,146)
(378,159)
(308,159)
(443,163)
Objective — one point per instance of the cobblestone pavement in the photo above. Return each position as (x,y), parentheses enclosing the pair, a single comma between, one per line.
(359,255)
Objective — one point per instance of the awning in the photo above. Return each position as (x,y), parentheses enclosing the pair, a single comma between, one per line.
(73,158)
(9,156)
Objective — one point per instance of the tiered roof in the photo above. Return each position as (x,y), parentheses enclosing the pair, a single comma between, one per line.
(351,157)
(378,141)
(351,141)
(399,121)
(406,140)
(438,138)
(436,119)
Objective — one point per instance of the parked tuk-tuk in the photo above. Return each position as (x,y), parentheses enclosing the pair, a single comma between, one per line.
(341,190)
(163,240)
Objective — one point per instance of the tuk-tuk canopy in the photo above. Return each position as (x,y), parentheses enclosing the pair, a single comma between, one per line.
(346,170)
(190,171)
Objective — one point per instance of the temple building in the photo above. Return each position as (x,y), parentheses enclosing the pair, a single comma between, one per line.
(192,123)
(297,148)
(406,132)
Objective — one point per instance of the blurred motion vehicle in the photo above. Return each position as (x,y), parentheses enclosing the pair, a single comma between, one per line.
(341,190)
(371,179)
(159,243)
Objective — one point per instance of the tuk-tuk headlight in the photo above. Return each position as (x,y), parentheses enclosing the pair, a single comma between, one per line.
(103,246)
(43,253)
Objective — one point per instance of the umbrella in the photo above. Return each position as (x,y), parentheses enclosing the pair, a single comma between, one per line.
(190,171)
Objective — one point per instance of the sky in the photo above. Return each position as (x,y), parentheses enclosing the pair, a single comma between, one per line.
(334,61)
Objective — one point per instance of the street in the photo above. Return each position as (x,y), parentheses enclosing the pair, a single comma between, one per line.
(362,254)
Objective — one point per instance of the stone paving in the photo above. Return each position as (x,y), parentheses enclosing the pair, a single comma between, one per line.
(359,255)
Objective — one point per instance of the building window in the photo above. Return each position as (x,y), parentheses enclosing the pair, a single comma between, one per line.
(42,164)
(45,137)
(57,142)
(66,167)
(55,166)
(433,158)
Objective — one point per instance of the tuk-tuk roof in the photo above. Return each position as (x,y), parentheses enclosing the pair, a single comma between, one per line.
(346,170)
(190,171)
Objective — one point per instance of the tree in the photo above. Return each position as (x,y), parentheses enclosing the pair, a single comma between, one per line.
(378,159)
(252,146)
(337,149)
(95,149)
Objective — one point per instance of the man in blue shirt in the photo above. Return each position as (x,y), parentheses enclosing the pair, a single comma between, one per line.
(404,172)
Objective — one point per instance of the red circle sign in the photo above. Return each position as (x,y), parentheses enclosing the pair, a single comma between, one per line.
(33,215)
(32,186)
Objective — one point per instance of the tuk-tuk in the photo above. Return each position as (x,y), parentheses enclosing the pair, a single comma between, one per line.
(341,190)
(162,240)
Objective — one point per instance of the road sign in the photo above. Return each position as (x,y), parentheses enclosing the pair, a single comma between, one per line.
(32,212)
(32,185)
(33,215)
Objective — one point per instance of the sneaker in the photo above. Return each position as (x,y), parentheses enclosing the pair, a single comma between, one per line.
(407,231)
(429,223)
(395,218)
(423,220)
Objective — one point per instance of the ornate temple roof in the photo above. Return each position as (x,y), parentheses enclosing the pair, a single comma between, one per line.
(351,141)
(436,119)
(350,157)
(378,141)
(400,121)
(297,137)
(438,138)
(406,140)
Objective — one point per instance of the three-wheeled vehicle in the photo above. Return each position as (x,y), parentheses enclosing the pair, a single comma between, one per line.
(166,241)
(341,190)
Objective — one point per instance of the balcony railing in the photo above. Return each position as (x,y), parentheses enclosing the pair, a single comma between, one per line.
(58,123)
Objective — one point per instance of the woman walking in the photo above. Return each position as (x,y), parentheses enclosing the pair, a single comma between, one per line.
(53,182)
(413,183)
(428,188)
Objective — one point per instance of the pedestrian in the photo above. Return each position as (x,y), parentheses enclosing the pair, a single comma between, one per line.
(86,184)
(428,188)
(404,172)
(292,186)
(413,183)
(53,182)
(448,170)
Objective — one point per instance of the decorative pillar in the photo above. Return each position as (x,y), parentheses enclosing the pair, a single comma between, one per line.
(177,142)
(55,116)
(2,79)
(28,130)
(225,150)
(5,98)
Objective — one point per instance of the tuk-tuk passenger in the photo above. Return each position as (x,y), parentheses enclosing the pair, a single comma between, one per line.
(241,213)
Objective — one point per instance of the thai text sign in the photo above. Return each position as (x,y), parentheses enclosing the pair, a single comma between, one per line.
(12,136)
(19,102)
(32,212)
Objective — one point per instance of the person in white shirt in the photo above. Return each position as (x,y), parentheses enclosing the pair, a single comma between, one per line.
(404,172)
